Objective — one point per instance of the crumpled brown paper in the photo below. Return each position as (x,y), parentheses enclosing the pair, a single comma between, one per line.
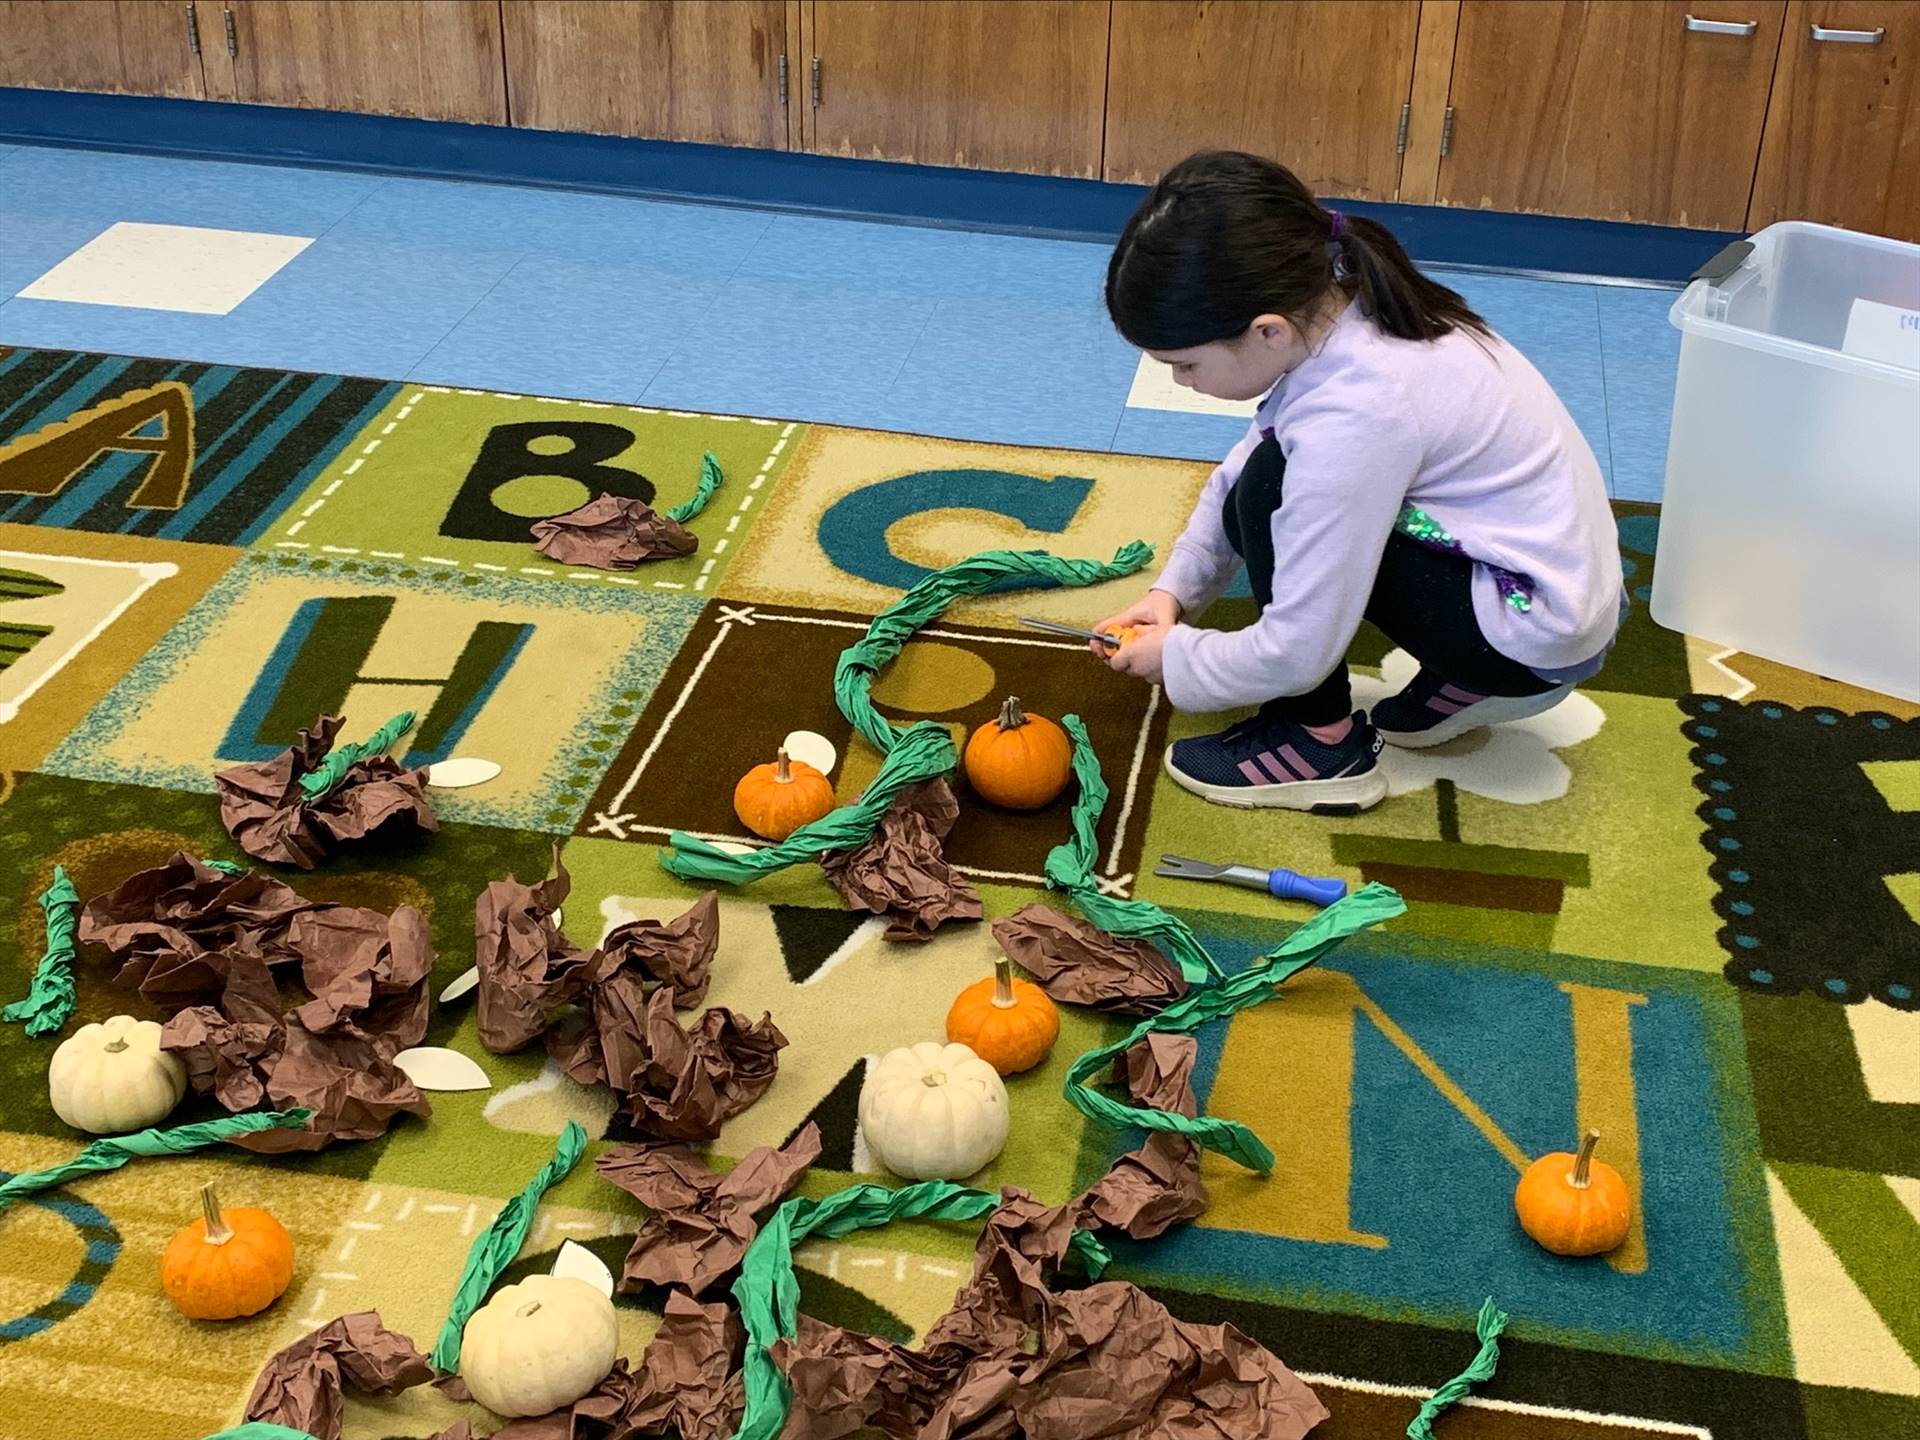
(176,927)
(301,1385)
(1015,1358)
(612,533)
(675,953)
(673,1083)
(367,973)
(688,1382)
(1077,964)
(702,1222)
(270,818)
(902,872)
(1148,1191)
(528,968)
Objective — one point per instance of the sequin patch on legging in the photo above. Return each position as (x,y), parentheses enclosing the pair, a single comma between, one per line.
(1516,590)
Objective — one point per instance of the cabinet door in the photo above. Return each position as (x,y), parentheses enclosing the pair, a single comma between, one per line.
(705,70)
(1843,131)
(1316,85)
(1616,109)
(992,84)
(127,47)
(439,59)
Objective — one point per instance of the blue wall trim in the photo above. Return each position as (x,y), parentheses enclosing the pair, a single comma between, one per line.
(782,180)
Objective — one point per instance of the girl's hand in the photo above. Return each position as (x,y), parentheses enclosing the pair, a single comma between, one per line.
(1156,607)
(1140,656)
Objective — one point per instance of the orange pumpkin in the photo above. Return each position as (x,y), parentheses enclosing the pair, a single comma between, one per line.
(1009,1023)
(1574,1204)
(775,800)
(227,1264)
(1019,761)
(1123,633)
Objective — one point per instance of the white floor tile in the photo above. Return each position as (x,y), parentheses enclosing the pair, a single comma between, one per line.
(1154,389)
(168,267)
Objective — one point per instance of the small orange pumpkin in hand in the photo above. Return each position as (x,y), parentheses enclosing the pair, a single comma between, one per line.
(1123,633)
(1574,1204)
(228,1264)
(775,800)
(1009,1023)
(1019,761)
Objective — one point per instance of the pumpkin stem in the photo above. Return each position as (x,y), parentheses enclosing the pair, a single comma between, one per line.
(782,769)
(218,1231)
(116,1045)
(532,1307)
(934,1078)
(1012,717)
(1584,1160)
(1003,984)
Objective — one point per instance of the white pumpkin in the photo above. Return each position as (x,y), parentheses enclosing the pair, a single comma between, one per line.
(112,1076)
(539,1345)
(933,1112)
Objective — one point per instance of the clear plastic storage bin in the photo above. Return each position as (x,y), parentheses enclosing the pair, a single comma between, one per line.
(1791,523)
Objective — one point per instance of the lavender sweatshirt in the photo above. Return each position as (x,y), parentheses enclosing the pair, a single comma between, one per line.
(1462,428)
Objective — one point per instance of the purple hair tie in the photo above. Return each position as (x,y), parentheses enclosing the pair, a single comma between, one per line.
(1339,225)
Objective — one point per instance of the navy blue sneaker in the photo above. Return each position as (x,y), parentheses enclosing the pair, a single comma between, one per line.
(1429,711)
(1263,763)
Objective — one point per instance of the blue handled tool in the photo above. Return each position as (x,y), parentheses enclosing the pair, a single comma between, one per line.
(1281,884)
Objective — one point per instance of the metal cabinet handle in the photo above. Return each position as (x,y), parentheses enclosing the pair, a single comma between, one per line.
(1722,27)
(1849,37)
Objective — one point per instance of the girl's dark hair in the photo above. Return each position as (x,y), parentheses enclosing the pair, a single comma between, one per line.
(1226,237)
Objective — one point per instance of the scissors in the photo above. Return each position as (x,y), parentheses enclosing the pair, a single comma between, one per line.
(1053,628)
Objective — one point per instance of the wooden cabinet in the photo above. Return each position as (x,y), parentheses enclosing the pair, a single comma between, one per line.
(703,70)
(1317,86)
(125,47)
(1843,132)
(994,84)
(1615,109)
(440,59)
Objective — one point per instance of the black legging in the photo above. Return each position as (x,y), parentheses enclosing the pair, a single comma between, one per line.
(1422,599)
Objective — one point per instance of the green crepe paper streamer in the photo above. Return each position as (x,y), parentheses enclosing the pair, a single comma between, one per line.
(113,1153)
(494,1248)
(225,867)
(1492,1321)
(928,600)
(769,1294)
(1069,867)
(263,1430)
(316,783)
(49,1000)
(710,478)
(920,752)
(1365,907)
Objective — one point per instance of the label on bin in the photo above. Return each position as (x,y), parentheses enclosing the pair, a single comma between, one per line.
(1887,333)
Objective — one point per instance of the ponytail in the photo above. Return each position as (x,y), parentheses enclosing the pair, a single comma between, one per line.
(1226,237)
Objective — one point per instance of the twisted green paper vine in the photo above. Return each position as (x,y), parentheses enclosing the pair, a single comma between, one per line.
(316,783)
(710,478)
(1491,1322)
(493,1249)
(769,1294)
(923,750)
(49,1001)
(1366,907)
(1070,868)
(113,1153)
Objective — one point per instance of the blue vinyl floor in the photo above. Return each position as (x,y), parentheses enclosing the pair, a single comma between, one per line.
(945,332)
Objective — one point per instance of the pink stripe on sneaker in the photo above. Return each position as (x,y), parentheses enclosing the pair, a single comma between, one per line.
(1300,766)
(1445,707)
(1465,697)
(1252,772)
(1275,767)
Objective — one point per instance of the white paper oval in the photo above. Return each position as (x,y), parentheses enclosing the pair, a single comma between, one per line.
(468,979)
(433,1067)
(732,847)
(580,1263)
(812,748)
(460,772)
